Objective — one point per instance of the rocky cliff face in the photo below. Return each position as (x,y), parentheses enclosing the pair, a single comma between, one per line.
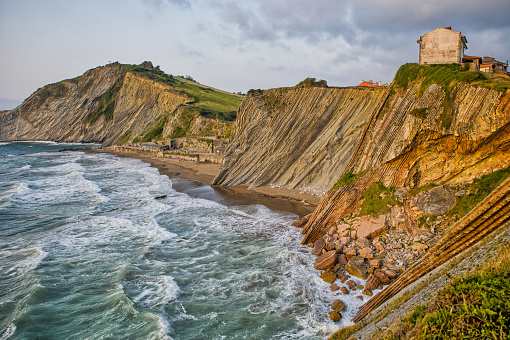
(415,140)
(106,105)
(298,138)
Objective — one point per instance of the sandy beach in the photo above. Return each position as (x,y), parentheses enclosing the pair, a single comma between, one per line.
(193,178)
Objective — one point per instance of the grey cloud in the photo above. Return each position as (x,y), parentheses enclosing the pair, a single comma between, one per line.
(158,4)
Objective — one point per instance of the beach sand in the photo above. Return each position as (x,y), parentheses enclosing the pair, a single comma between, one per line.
(193,178)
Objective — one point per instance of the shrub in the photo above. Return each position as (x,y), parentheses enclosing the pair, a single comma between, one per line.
(375,205)
(311,82)
(348,178)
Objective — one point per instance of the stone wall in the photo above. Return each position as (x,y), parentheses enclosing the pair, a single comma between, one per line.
(440,46)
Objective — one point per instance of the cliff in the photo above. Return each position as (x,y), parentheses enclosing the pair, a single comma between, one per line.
(420,138)
(117,103)
(297,138)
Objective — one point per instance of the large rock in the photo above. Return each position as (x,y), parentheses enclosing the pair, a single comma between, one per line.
(329,276)
(435,201)
(318,246)
(419,246)
(338,306)
(335,316)
(366,253)
(363,242)
(350,252)
(372,282)
(356,267)
(385,280)
(325,261)
(342,259)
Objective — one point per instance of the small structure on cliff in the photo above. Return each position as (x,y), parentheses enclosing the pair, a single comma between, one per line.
(491,65)
(370,83)
(442,46)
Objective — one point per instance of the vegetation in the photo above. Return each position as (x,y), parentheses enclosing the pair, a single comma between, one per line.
(311,82)
(478,190)
(56,90)
(348,178)
(105,103)
(125,138)
(85,87)
(155,129)
(344,333)
(419,112)
(416,191)
(377,200)
(207,102)
(475,306)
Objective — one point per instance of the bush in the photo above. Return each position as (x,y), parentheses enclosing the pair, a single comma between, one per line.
(375,205)
(311,82)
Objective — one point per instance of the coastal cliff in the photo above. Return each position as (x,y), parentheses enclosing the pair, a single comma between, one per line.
(414,174)
(297,138)
(117,103)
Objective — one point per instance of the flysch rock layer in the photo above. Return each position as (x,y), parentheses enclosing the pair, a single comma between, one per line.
(63,118)
(402,150)
(298,138)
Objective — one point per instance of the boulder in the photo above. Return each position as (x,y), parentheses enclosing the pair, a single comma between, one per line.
(342,278)
(435,201)
(318,246)
(356,267)
(335,316)
(419,246)
(382,277)
(366,253)
(350,252)
(351,284)
(375,263)
(334,287)
(363,242)
(378,245)
(325,261)
(330,245)
(342,259)
(372,282)
(329,276)
(338,306)
(367,292)
(344,290)
(344,240)
(389,273)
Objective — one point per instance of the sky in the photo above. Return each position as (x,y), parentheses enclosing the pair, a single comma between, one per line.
(234,45)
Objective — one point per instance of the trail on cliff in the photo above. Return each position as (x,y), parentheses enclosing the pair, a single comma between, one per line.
(120,103)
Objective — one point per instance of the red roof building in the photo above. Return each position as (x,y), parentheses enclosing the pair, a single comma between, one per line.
(369,83)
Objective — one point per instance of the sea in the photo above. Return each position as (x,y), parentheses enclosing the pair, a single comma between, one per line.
(97,246)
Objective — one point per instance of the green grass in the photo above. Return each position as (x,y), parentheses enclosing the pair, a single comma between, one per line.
(416,191)
(475,306)
(125,138)
(373,204)
(419,112)
(155,129)
(479,189)
(57,90)
(348,178)
(207,102)
(105,103)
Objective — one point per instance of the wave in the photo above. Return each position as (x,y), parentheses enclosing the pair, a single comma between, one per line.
(7,332)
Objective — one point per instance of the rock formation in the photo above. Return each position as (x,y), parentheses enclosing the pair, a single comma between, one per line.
(297,138)
(105,105)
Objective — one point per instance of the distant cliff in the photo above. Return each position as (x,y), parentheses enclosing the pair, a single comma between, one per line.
(297,138)
(118,103)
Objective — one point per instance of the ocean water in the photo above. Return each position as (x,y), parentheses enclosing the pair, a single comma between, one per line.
(88,252)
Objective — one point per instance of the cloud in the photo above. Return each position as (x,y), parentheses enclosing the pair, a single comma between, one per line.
(159,4)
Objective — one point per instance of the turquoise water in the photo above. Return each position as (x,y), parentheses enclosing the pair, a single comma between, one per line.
(88,252)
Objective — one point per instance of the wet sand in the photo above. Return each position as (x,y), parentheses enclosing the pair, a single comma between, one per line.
(193,178)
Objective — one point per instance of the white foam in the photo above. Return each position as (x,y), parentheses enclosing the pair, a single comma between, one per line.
(154,291)
(8,332)
(19,262)
(5,143)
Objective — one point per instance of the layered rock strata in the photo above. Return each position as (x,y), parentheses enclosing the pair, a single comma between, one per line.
(297,138)
(399,149)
